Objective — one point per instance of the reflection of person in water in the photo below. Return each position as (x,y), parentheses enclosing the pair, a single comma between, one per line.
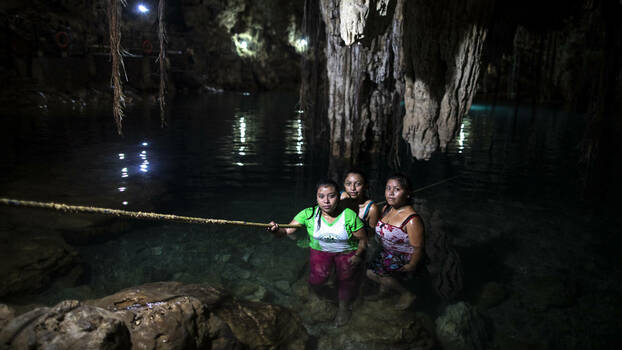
(337,239)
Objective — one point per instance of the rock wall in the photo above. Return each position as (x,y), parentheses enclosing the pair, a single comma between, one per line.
(363,77)
(239,45)
(564,53)
(243,44)
(380,53)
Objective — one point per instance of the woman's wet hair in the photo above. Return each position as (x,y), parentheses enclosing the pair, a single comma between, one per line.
(357,172)
(402,180)
(326,182)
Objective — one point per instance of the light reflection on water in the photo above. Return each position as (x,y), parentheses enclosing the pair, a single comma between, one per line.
(295,145)
(244,140)
(142,167)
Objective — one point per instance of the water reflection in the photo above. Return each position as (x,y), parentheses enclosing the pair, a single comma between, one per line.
(143,167)
(244,139)
(463,135)
(500,149)
(295,146)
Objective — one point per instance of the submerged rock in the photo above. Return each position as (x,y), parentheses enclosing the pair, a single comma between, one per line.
(172,315)
(68,325)
(164,315)
(461,327)
(32,263)
(492,294)
(6,314)
(373,324)
(543,292)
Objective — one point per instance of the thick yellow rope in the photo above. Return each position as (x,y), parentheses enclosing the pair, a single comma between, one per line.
(130,214)
(154,216)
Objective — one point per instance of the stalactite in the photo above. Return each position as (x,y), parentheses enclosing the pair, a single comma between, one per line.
(118,102)
(424,53)
(443,46)
(363,91)
(162,60)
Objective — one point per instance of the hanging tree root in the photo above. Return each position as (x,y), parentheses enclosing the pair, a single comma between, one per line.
(130,214)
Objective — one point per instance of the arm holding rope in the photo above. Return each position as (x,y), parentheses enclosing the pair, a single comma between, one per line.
(282,232)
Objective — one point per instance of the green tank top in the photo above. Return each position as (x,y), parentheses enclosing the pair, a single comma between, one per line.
(335,237)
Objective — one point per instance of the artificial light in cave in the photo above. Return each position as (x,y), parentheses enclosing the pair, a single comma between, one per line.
(300,45)
(142,8)
(245,45)
(463,135)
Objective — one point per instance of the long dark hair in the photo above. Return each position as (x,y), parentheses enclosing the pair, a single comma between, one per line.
(321,183)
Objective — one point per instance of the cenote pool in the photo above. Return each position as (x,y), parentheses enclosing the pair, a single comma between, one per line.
(536,260)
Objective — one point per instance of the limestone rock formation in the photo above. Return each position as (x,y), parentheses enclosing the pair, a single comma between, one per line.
(443,263)
(205,40)
(353,15)
(443,45)
(172,315)
(461,327)
(424,54)
(68,325)
(165,315)
(31,263)
(394,330)
(6,314)
(362,90)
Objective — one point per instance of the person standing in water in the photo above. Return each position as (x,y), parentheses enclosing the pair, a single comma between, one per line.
(356,187)
(400,231)
(337,238)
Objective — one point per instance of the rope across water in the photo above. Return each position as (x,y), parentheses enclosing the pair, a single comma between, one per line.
(153,216)
(129,214)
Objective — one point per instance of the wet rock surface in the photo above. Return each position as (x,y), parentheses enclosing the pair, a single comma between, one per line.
(31,263)
(373,324)
(7,313)
(167,315)
(461,327)
(55,56)
(67,325)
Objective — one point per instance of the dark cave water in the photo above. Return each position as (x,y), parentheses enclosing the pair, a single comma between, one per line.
(514,213)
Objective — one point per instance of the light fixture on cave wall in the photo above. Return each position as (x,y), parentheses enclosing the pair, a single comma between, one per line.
(295,37)
(143,11)
(142,8)
(300,45)
(245,44)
